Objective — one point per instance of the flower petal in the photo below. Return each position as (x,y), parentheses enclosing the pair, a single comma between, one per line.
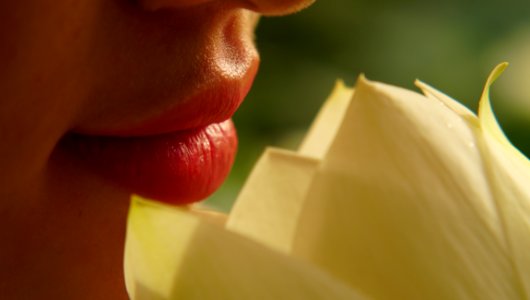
(509,176)
(269,204)
(457,107)
(172,254)
(400,208)
(322,132)
(487,117)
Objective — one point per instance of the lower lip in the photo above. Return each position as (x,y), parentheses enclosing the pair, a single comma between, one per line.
(177,168)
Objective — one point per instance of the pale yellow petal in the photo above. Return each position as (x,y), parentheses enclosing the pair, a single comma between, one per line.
(509,175)
(208,214)
(400,208)
(510,183)
(322,132)
(487,118)
(172,254)
(456,106)
(269,204)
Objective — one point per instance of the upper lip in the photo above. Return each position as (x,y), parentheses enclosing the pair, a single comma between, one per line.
(214,104)
(207,85)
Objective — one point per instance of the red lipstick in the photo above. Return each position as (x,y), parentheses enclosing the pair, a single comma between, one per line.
(178,157)
(177,168)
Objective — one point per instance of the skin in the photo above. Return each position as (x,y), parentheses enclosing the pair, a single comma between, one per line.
(83,66)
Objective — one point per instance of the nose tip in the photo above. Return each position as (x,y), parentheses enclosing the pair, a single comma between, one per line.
(265,7)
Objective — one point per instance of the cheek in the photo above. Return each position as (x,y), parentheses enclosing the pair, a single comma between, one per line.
(41,80)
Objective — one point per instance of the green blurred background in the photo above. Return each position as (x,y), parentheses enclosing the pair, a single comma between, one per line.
(451,45)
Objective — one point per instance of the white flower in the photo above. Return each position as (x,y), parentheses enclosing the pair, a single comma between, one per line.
(393,195)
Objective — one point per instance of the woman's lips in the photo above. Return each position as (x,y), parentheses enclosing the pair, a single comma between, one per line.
(179,157)
(177,168)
